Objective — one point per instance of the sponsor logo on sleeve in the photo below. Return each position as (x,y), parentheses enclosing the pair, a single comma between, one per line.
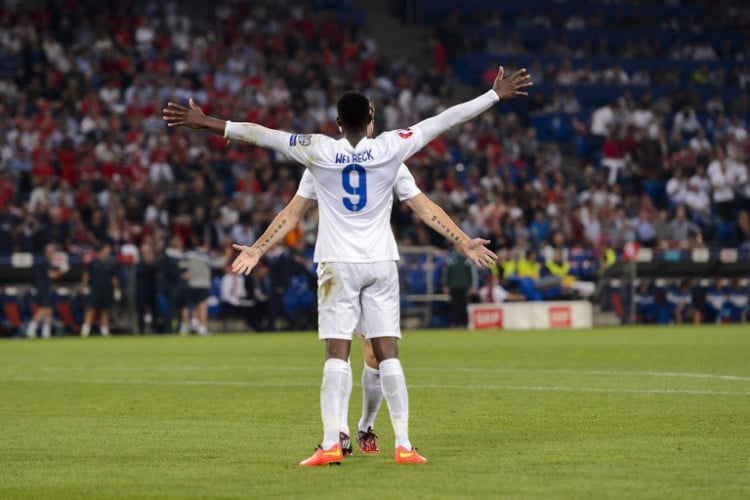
(405,133)
(292,140)
(304,140)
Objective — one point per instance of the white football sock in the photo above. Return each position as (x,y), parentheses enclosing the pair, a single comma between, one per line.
(346,393)
(104,330)
(394,390)
(46,330)
(31,329)
(372,396)
(334,380)
(85,330)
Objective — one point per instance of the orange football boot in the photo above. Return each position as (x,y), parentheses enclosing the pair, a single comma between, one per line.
(403,455)
(332,455)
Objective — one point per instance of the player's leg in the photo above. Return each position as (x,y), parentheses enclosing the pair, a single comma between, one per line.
(88,318)
(202,312)
(34,323)
(380,308)
(104,322)
(344,431)
(372,397)
(184,318)
(47,322)
(335,372)
(339,311)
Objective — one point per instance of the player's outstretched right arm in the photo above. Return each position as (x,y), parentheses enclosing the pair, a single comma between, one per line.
(416,137)
(282,224)
(251,133)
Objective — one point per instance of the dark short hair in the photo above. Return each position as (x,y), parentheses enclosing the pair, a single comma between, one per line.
(354,111)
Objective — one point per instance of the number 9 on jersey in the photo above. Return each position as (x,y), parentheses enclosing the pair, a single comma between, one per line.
(358,200)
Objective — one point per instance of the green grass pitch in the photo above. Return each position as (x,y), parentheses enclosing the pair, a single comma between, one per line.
(635,412)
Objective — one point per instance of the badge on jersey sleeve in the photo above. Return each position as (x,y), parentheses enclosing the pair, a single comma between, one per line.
(405,133)
(302,140)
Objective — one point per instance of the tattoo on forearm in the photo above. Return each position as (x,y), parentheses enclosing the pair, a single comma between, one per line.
(271,237)
(448,231)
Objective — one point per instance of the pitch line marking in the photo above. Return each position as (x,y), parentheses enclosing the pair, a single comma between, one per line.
(244,383)
(612,373)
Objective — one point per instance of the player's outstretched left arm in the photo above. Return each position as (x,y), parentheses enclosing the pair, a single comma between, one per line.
(417,136)
(435,217)
(193,116)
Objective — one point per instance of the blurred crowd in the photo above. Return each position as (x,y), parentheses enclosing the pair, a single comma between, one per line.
(85,158)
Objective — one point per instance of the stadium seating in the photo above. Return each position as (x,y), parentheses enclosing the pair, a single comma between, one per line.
(100,164)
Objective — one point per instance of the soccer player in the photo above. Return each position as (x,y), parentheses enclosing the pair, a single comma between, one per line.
(355,249)
(406,189)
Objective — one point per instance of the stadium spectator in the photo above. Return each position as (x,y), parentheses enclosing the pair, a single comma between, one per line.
(146,289)
(645,305)
(677,189)
(680,300)
(261,289)
(718,308)
(174,288)
(460,282)
(234,298)
(46,273)
(492,292)
(723,184)
(681,229)
(198,270)
(102,287)
(738,301)
(559,268)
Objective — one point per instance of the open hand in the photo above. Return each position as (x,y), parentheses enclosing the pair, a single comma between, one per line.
(512,86)
(247,259)
(476,251)
(176,115)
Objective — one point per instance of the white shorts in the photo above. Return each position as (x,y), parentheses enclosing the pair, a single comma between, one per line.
(348,292)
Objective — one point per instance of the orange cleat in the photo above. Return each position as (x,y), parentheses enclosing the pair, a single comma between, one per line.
(406,456)
(332,455)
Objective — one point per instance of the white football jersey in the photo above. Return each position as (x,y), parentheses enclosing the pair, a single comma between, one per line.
(354,184)
(405,188)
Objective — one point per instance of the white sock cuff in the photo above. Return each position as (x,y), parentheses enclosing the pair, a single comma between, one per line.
(390,367)
(337,365)
(370,369)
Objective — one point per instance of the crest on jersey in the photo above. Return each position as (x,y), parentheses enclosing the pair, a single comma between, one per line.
(405,133)
(304,140)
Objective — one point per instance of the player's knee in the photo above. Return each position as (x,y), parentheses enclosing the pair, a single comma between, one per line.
(384,348)
(337,348)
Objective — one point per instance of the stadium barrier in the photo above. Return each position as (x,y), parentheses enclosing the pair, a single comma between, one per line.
(531,315)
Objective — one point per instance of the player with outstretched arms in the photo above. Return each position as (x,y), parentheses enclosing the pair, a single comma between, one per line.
(431,214)
(357,274)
